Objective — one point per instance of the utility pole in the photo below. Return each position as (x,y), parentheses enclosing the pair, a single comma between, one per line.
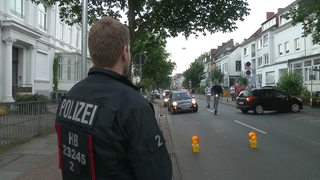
(84,40)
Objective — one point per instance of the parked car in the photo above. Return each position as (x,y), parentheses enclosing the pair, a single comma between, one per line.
(166,98)
(265,99)
(181,101)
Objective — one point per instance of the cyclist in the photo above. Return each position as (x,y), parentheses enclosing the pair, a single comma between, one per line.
(208,95)
(216,91)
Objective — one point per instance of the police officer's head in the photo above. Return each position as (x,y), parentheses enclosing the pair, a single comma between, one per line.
(109,47)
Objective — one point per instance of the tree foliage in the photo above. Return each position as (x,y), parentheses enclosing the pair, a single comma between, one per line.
(194,73)
(203,56)
(308,14)
(217,75)
(157,70)
(243,81)
(166,18)
(291,83)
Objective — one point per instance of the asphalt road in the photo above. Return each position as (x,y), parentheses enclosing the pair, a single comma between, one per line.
(288,144)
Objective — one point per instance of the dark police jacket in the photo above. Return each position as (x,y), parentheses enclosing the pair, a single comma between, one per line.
(107,130)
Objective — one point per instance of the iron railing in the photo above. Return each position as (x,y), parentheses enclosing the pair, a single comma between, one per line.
(20,121)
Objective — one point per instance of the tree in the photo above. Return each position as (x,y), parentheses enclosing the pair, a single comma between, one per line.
(243,81)
(166,18)
(203,56)
(195,73)
(157,70)
(308,14)
(217,75)
(291,83)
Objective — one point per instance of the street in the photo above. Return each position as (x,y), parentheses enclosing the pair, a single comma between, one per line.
(288,144)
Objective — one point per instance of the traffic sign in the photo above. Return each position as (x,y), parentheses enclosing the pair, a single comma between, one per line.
(140,59)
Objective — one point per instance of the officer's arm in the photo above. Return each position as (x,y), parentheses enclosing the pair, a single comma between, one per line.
(148,151)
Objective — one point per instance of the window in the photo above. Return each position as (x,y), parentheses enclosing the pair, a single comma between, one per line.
(286,47)
(238,65)
(42,19)
(16,7)
(42,67)
(297,44)
(259,61)
(266,58)
(265,40)
(69,69)
(280,49)
(270,78)
(259,44)
(65,69)
(245,51)
(316,65)
(253,50)
(297,68)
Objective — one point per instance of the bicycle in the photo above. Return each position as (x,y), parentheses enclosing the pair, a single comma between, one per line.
(215,103)
(208,97)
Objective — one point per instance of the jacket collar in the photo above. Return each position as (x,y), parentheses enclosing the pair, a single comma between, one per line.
(113,75)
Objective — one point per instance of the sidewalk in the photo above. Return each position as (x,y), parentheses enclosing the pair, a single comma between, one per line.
(38,158)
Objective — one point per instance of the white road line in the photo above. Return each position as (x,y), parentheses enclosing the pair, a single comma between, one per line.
(263,132)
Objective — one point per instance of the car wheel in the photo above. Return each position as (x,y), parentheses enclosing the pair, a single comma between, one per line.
(295,108)
(258,109)
(244,111)
(195,110)
(172,110)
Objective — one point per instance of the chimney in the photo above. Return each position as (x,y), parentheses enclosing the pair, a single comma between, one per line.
(269,15)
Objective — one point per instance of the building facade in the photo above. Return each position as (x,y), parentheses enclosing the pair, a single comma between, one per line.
(32,36)
(277,47)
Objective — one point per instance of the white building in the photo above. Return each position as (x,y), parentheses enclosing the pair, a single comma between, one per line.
(31,36)
(287,51)
(228,61)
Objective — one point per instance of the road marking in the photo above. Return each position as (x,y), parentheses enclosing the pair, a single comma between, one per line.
(298,137)
(263,132)
(212,111)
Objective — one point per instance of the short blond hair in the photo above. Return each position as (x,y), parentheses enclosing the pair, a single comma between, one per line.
(107,38)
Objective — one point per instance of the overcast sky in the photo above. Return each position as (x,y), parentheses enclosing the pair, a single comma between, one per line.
(184,52)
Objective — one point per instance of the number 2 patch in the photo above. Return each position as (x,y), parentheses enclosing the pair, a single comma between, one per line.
(155,142)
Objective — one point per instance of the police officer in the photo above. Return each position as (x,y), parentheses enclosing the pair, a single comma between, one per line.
(105,128)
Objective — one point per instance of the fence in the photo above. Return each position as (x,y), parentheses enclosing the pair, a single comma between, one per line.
(20,121)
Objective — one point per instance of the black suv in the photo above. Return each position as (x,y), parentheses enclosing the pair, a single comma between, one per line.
(263,99)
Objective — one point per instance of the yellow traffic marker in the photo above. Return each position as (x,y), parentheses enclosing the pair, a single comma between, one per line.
(252,140)
(195,144)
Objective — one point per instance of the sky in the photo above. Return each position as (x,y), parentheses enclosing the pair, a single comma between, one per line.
(183,52)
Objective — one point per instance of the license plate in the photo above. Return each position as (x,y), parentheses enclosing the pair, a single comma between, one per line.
(241,103)
(185,107)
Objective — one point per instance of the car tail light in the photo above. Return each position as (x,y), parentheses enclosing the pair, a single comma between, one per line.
(250,99)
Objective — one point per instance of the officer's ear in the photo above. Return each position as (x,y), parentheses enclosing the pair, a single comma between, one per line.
(126,53)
